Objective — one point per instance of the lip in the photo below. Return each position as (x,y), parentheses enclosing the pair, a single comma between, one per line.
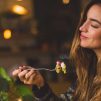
(83,36)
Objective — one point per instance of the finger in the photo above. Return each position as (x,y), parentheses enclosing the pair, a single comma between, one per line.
(27,66)
(33,78)
(29,73)
(22,74)
(22,67)
(15,72)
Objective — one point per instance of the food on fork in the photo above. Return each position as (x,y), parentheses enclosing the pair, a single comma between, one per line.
(60,67)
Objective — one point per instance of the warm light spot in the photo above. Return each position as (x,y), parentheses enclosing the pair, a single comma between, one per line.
(19,0)
(66,1)
(19,10)
(19,99)
(7,34)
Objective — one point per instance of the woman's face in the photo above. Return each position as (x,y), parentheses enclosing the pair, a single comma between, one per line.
(90,31)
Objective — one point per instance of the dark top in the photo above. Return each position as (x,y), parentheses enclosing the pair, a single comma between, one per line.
(45,94)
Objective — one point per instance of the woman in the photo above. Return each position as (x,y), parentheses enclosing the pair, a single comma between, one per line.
(85,54)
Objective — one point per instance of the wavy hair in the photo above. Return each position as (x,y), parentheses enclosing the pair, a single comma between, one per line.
(88,81)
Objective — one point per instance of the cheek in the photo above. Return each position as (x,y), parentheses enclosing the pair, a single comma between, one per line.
(97,38)
(95,35)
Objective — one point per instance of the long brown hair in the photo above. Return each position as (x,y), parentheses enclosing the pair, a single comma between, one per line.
(88,82)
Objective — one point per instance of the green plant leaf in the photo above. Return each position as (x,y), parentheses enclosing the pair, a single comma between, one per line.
(23,90)
(4,74)
(3,96)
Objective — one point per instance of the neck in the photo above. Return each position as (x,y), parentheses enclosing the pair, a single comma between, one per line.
(98,53)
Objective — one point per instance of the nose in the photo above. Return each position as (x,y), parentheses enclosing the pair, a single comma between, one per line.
(84,27)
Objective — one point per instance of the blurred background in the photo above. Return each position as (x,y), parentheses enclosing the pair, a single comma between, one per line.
(37,33)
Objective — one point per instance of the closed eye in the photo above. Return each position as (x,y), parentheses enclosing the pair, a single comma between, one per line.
(94,26)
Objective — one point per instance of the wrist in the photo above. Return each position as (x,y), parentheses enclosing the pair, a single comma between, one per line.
(41,83)
(40,91)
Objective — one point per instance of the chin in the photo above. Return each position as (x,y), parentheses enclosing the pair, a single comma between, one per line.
(84,45)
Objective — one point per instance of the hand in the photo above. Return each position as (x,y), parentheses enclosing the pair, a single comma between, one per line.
(29,75)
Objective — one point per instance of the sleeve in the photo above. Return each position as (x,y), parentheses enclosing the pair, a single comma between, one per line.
(45,94)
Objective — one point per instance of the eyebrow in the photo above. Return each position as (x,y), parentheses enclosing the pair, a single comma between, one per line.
(95,20)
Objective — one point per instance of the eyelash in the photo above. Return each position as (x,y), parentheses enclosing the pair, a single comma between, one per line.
(94,26)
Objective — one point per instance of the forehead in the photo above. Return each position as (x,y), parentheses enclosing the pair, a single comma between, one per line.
(95,11)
